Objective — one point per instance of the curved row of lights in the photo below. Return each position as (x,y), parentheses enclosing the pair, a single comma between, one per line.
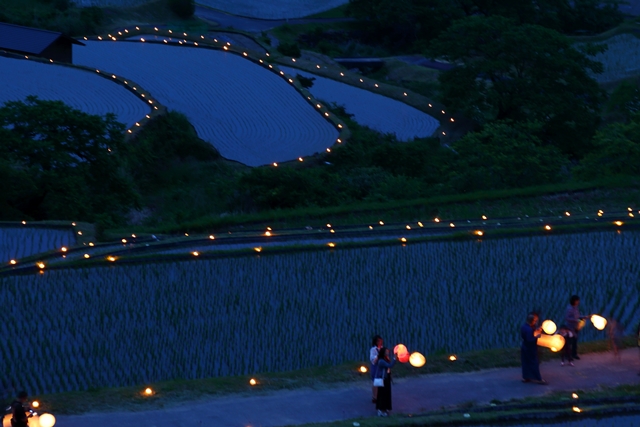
(228,47)
(269,233)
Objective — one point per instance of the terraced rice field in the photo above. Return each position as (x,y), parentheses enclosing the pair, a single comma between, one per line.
(621,60)
(80,89)
(20,242)
(125,325)
(378,112)
(274,9)
(248,113)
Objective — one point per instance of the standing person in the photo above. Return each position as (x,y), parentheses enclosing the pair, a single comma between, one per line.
(373,358)
(529,350)
(18,414)
(572,319)
(616,333)
(566,353)
(383,403)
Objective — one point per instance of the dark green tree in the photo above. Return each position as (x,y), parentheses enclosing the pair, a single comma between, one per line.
(616,152)
(521,73)
(63,163)
(504,155)
(183,8)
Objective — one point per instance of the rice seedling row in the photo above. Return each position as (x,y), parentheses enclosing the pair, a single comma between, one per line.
(21,242)
(80,89)
(105,327)
(248,113)
(378,112)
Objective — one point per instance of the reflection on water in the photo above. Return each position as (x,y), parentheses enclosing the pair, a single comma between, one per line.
(626,421)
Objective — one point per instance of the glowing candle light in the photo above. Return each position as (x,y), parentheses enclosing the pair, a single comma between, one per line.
(63,249)
(79,233)
(420,224)
(576,409)
(111,258)
(547,227)
(479,233)
(148,391)
(87,255)
(253,382)
(437,220)
(331,245)
(452,225)
(484,217)
(13,262)
(549,327)
(618,223)
(403,239)
(574,395)
(124,240)
(35,404)
(381,223)
(453,358)
(212,237)
(363,369)
(41,265)
(258,249)
(275,165)
(300,159)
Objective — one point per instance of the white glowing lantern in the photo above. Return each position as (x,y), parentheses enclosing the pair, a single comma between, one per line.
(553,342)
(599,322)
(417,360)
(549,327)
(47,420)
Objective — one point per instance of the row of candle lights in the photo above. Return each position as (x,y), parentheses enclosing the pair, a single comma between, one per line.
(269,232)
(225,47)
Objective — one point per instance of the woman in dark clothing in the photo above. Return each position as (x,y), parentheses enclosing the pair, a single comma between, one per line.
(529,350)
(383,403)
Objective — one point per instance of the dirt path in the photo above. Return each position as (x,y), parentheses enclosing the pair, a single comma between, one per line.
(410,396)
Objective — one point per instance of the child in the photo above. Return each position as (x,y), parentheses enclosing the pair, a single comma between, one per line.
(566,350)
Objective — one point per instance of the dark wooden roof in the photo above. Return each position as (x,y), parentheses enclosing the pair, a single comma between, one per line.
(29,40)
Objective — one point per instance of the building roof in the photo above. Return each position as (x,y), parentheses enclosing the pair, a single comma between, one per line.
(29,40)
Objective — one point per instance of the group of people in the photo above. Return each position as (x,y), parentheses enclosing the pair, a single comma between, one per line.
(382,359)
(530,332)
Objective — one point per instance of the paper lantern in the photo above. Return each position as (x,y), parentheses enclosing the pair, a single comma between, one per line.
(417,360)
(599,322)
(549,327)
(400,348)
(580,324)
(553,342)
(47,420)
(404,357)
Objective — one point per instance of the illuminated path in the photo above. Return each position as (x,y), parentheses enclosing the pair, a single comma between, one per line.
(410,396)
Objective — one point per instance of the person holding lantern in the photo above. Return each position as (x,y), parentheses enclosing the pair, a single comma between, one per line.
(373,358)
(573,320)
(383,402)
(19,416)
(529,350)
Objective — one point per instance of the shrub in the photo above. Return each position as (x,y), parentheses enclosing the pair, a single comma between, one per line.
(289,49)
(183,8)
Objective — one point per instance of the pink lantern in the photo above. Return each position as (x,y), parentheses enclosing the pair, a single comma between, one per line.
(402,354)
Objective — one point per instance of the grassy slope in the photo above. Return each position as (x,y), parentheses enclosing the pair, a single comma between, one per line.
(546,200)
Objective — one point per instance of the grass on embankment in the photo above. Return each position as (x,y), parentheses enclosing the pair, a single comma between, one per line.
(171,393)
(545,200)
